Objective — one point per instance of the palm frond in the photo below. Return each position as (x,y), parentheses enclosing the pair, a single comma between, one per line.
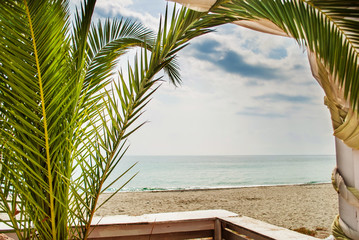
(103,147)
(185,25)
(105,150)
(344,16)
(33,58)
(106,43)
(63,129)
(81,26)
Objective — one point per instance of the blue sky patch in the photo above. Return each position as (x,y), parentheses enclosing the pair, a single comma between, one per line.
(278,53)
(278,97)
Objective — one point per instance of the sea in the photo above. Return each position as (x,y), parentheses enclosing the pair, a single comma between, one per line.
(165,173)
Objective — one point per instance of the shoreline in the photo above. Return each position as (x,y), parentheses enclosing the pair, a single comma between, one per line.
(220,188)
(312,206)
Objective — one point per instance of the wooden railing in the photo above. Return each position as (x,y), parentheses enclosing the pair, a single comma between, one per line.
(208,224)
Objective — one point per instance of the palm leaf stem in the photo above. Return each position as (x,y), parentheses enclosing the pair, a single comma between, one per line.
(47,147)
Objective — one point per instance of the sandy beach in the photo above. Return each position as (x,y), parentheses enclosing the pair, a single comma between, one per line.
(294,206)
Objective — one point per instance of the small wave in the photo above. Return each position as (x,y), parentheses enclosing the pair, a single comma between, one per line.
(151,189)
(161,189)
(313,182)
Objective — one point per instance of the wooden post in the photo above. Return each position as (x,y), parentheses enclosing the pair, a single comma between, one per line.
(348,166)
(217,230)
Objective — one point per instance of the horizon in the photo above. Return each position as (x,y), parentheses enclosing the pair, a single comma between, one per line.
(226,155)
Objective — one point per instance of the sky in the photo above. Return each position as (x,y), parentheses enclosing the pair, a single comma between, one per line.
(243,93)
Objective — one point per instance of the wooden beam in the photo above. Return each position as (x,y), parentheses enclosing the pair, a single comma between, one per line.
(259,230)
(242,230)
(168,236)
(125,230)
(231,235)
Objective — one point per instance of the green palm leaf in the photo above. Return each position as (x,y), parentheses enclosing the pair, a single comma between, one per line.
(106,144)
(63,126)
(29,93)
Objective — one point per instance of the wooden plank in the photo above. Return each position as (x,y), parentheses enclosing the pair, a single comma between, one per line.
(231,235)
(261,230)
(11,234)
(162,223)
(251,234)
(163,217)
(183,235)
(169,236)
(184,226)
(152,228)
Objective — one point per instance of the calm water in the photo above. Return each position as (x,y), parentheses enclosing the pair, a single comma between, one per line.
(199,172)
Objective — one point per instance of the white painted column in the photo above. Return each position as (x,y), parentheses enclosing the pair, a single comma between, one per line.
(348,167)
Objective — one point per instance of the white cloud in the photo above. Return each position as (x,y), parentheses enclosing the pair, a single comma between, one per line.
(201,118)
(221,112)
(125,8)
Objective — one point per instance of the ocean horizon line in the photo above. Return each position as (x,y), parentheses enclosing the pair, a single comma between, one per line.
(220,155)
(181,189)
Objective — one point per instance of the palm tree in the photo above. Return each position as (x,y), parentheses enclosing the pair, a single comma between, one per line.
(329,30)
(65,117)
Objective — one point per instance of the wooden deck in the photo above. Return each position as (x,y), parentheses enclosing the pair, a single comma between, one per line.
(208,224)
